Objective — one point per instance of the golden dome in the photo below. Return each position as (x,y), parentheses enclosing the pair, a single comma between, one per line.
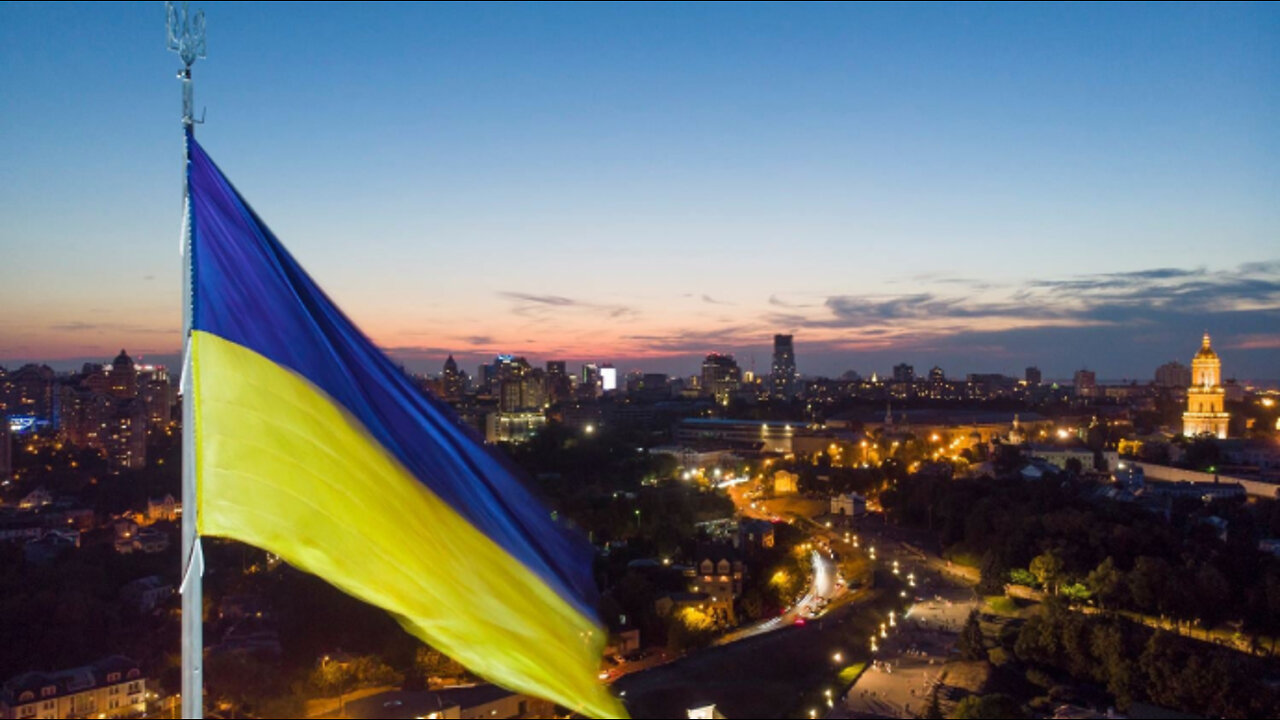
(1206,352)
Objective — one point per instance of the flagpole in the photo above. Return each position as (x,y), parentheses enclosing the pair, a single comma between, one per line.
(186,37)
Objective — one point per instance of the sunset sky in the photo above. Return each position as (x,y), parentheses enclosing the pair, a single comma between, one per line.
(980,187)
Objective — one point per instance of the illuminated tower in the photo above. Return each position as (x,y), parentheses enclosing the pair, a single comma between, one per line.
(1205,413)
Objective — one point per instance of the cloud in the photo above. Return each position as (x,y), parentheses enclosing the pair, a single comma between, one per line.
(779,302)
(696,342)
(538,306)
(77,326)
(708,299)
(1147,314)
(477,339)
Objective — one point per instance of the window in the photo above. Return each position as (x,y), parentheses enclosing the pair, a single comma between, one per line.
(48,691)
(27,696)
(113,677)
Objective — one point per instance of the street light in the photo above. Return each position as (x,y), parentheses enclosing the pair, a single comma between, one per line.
(838,657)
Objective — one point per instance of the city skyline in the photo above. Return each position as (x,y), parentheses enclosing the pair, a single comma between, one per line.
(978,188)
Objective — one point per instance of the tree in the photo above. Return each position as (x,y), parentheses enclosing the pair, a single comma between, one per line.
(995,707)
(1148,583)
(971,644)
(429,663)
(994,574)
(1018,576)
(1047,567)
(1076,592)
(688,629)
(1106,582)
(934,711)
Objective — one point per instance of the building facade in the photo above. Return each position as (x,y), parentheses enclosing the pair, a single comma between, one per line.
(1173,375)
(783,376)
(6,450)
(1206,413)
(721,377)
(110,688)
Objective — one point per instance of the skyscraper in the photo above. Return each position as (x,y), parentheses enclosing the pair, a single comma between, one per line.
(1033,376)
(559,387)
(451,380)
(123,378)
(783,376)
(721,377)
(904,373)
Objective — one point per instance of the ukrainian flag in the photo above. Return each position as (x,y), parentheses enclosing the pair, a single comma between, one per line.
(311,444)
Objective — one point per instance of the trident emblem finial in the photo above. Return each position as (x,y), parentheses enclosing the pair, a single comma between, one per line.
(186,37)
(186,32)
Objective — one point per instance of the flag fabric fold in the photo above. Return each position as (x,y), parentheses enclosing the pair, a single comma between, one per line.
(313,445)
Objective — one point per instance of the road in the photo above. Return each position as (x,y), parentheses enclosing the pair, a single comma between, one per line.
(823,587)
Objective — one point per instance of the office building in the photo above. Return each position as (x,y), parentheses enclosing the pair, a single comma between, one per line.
(783,375)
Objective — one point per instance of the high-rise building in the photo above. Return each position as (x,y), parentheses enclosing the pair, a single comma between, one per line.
(451,380)
(126,436)
(559,386)
(1206,413)
(589,388)
(783,375)
(1033,376)
(1085,383)
(122,380)
(29,390)
(608,378)
(721,377)
(1173,375)
(520,388)
(6,450)
(155,392)
(904,373)
(936,375)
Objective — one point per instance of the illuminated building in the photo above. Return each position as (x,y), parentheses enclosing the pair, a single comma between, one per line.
(1032,376)
(559,385)
(29,390)
(126,436)
(6,450)
(155,392)
(110,688)
(1205,413)
(782,376)
(773,436)
(451,380)
(721,377)
(97,412)
(513,427)
(122,378)
(904,373)
(589,388)
(1086,383)
(608,378)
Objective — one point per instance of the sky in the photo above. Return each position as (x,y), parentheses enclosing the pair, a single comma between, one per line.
(979,187)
